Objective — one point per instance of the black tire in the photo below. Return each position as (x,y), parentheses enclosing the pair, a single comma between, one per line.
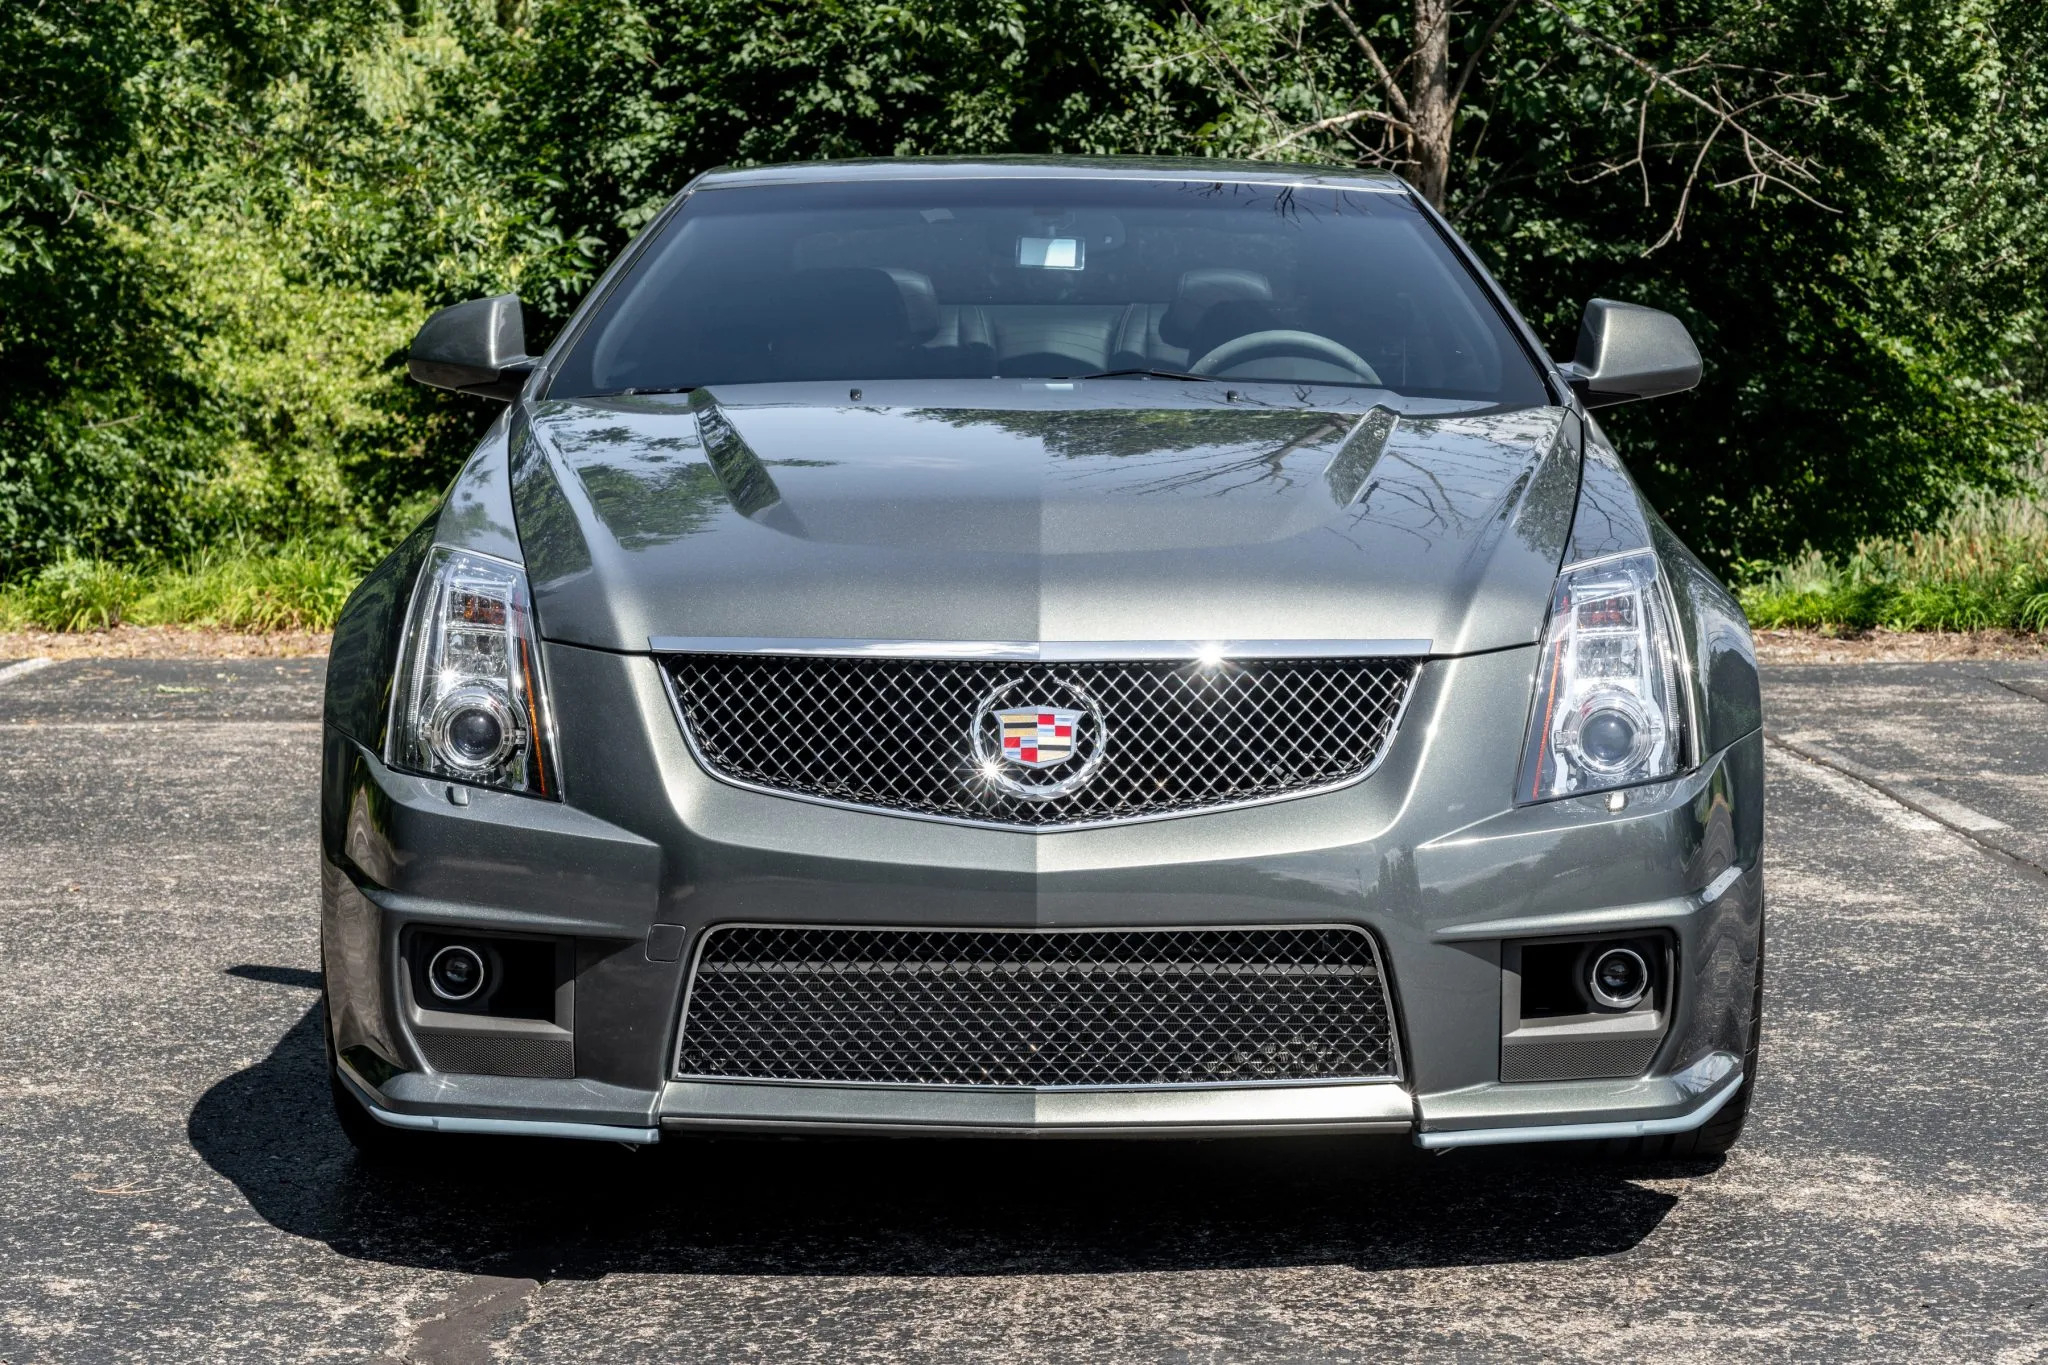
(375,1143)
(1719,1134)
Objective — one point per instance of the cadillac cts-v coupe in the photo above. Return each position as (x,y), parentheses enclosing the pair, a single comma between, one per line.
(1045,647)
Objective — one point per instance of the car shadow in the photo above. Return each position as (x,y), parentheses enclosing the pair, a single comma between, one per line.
(897,1206)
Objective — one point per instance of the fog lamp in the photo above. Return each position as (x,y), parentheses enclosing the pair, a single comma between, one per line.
(1619,978)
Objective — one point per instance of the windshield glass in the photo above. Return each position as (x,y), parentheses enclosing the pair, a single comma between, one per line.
(1050,278)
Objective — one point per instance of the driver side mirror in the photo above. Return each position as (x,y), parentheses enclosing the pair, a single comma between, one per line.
(477,347)
(1628,352)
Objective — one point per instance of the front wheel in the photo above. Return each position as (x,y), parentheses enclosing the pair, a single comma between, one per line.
(375,1143)
(1719,1134)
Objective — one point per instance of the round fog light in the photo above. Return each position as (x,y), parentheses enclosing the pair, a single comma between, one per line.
(456,972)
(1619,978)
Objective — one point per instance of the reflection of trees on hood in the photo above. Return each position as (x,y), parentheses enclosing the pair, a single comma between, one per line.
(1218,470)
(1445,476)
(640,477)
(651,482)
(1121,433)
(467,516)
(548,526)
(643,507)
(1201,450)
(1609,515)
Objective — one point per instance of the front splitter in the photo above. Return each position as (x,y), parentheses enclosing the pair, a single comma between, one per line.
(1361,1107)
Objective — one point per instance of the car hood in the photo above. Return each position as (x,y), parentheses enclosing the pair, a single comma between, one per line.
(1029,511)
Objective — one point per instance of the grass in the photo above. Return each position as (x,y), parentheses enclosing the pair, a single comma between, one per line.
(299,585)
(1983,567)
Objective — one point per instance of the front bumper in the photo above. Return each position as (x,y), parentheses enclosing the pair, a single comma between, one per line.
(1628,1109)
(1424,854)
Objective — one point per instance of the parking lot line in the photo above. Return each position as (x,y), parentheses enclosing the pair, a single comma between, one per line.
(21,670)
(1991,834)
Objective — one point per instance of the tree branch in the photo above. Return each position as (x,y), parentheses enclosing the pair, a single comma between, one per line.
(1388,85)
(1721,112)
(1472,62)
(1767,164)
(1325,125)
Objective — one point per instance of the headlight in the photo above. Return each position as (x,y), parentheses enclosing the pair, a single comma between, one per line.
(468,702)
(1608,710)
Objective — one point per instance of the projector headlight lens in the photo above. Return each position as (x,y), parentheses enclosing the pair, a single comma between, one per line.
(472,729)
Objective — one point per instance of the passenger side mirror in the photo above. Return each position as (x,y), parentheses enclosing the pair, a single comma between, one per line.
(1628,352)
(477,347)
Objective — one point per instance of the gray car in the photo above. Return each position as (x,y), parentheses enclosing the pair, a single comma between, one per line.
(1045,647)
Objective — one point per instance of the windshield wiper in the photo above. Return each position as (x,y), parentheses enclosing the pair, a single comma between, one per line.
(1142,374)
(638,392)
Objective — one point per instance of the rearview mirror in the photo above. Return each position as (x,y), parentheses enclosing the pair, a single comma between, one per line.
(1628,352)
(477,347)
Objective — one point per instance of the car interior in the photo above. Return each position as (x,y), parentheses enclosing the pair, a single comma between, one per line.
(1049,295)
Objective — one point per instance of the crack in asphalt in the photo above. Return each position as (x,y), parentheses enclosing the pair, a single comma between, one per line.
(2032,690)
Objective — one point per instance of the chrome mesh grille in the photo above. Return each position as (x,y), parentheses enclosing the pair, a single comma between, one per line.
(1119,1007)
(895,733)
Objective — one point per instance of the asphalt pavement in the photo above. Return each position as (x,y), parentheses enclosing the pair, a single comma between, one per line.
(173,1187)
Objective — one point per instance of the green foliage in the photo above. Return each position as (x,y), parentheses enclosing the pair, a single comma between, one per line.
(603,109)
(1874,338)
(299,585)
(1984,565)
(220,221)
(72,594)
(179,363)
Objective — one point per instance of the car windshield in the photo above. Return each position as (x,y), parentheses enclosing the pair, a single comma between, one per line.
(1050,278)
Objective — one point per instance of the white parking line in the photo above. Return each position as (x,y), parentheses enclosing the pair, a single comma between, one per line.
(1952,813)
(1985,831)
(23,669)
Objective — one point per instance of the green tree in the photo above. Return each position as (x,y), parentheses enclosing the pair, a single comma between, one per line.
(220,220)
(1841,199)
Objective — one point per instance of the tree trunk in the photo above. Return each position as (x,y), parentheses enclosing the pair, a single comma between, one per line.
(1429,100)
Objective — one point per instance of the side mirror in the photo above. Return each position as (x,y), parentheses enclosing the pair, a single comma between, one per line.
(1628,352)
(476,347)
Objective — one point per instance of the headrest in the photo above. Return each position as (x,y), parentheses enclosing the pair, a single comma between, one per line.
(1201,290)
(920,302)
(847,300)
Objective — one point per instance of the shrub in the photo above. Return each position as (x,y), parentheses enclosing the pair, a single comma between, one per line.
(73,594)
(300,585)
(1984,565)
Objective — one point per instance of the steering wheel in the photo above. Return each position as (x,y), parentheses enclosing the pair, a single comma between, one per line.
(1259,345)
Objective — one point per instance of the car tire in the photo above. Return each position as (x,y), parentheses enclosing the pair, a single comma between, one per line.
(1719,1134)
(375,1143)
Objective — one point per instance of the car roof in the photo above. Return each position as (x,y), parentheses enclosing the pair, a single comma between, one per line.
(1213,170)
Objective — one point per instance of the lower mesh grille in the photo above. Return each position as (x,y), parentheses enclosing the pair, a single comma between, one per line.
(1037,1007)
(497,1054)
(1578,1059)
